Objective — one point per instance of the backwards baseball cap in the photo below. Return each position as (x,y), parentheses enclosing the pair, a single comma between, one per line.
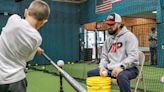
(113,18)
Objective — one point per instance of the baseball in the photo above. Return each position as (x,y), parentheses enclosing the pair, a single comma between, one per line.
(105,73)
(60,63)
(43,67)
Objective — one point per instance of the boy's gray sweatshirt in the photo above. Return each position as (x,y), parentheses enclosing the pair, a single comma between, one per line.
(120,50)
(18,44)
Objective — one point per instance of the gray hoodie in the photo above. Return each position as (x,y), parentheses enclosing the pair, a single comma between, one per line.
(18,44)
(120,50)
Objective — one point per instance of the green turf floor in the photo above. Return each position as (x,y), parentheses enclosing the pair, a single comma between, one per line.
(38,80)
(42,82)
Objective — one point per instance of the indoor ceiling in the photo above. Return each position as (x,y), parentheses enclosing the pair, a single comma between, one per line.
(70,1)
(148,14)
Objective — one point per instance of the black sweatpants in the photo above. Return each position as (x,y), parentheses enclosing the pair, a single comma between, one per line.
(19,86)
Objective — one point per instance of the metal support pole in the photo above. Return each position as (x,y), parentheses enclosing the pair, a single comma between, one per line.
(61,82)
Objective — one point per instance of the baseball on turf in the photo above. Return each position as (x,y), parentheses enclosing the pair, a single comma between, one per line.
(162,79)
(43,67)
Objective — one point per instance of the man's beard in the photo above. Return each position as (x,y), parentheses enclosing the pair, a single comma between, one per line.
(112,32)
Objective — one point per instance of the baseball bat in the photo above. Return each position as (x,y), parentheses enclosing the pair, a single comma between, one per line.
(68,78)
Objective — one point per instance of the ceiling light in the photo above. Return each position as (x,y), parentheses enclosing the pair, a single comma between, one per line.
(154,11)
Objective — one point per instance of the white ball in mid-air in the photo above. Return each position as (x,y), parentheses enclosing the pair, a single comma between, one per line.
(60,63)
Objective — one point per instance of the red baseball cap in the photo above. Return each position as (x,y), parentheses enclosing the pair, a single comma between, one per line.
(113,18)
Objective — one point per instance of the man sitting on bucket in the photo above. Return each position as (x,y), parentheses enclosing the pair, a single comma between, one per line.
(119,54)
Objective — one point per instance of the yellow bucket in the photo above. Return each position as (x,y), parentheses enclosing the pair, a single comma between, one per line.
(98,84)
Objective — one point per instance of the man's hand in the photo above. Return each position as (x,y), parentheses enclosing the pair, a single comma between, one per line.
(39,51)
(103,71)
(116,71)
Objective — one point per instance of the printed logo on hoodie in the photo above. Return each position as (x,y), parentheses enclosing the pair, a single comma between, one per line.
(116,46)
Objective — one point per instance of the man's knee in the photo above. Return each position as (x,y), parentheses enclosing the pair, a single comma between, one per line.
(89,73)
(121,76)
(94,72)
